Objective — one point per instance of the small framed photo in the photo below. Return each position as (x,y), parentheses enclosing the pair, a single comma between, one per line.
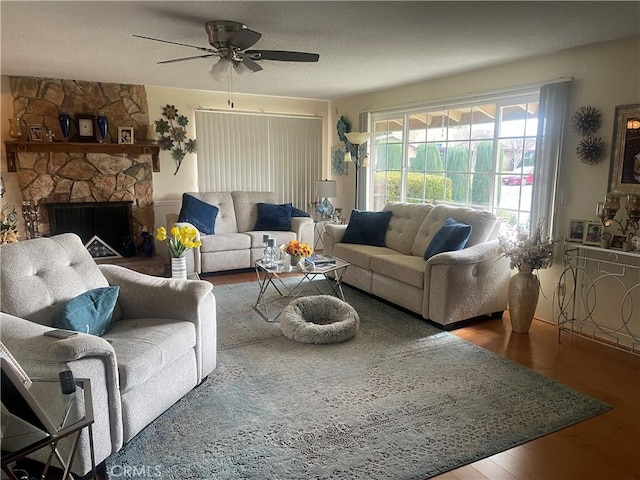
(36,133)
(576,230)
(125,135)
(617,241)
(592,233)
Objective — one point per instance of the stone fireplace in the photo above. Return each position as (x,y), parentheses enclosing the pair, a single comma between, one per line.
(72,177)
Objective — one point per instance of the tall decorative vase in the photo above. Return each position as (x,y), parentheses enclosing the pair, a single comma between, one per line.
(103,127)
(65,125)
(524,289)
(179,267)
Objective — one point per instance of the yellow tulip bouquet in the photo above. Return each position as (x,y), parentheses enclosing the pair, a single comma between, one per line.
(183,238)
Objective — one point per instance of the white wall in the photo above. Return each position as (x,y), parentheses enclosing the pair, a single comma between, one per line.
(605,75)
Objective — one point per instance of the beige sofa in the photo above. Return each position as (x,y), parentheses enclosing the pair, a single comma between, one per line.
(235,245)
(448,288)
(161,345)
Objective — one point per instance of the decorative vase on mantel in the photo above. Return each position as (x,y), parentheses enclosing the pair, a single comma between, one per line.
(103,127)
(65,125)
(524,289)
(179,267)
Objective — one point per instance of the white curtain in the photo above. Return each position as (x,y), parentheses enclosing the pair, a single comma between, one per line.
(258,152)
(553,115)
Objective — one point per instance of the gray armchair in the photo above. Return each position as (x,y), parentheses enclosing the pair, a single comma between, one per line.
(162,342)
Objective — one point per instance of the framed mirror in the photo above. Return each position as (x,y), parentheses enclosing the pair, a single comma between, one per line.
(624,172)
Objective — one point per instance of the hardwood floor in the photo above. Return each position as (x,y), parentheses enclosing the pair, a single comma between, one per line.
(606,447)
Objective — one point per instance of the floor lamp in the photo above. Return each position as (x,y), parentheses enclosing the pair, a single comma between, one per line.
(357,139)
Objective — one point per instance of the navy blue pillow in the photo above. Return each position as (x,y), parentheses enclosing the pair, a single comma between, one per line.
(296,212)
(273,217)
(201,215)
(367,228)
(451,236)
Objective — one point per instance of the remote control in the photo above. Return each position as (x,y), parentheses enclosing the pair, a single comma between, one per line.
(67,382)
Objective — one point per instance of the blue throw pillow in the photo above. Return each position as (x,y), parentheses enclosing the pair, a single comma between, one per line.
(367,228)
(89,312)
(296,212)
(273,217)
(451,236)
(201,215)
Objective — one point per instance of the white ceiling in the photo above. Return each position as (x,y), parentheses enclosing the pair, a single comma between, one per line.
(363,46)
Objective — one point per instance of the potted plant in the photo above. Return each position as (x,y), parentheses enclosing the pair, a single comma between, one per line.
(183,239)
(528,252)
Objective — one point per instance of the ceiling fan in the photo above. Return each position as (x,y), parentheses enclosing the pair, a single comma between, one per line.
(230,41)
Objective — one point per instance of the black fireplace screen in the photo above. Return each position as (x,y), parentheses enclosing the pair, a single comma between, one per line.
(110,221)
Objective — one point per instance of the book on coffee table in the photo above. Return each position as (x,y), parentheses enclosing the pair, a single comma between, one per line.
(319,260)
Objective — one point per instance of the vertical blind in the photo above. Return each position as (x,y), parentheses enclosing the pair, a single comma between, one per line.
(259,152)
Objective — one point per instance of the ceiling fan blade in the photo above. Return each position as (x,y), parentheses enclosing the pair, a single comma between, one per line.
(203,49)
(243,39)
(188,58)
(253,66)
(282,56)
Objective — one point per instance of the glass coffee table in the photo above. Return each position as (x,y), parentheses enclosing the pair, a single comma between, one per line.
(272,278)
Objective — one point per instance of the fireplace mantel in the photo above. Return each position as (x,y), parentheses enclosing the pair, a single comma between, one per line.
(15,147)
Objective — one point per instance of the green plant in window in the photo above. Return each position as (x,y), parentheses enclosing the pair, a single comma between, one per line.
(174,134)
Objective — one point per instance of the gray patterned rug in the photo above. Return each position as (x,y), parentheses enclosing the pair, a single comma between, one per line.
(401,400)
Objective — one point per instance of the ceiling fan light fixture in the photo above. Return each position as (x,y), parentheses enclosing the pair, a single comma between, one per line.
(220,69)
(241,69)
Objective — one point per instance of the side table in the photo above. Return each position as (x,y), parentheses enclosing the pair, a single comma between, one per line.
(318,228)
(69,415)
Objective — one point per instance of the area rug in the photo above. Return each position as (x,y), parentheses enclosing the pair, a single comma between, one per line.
(401,400)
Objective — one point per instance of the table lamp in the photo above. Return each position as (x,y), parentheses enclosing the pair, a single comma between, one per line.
(326,189)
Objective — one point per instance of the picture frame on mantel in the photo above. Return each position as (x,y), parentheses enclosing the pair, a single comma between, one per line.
(86,128)
(624,171)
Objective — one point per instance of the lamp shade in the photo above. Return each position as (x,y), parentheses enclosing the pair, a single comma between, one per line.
(326,188)
(220,70)
(357,138)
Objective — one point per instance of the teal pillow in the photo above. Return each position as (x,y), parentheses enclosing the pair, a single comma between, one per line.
(273,217)
(451,236)
(367,228)
(201,215)
(89,312)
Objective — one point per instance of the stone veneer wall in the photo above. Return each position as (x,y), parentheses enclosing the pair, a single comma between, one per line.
(62,177)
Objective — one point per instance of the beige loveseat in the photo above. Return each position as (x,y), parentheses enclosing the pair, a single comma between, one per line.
(448,288)
(161,345)
(235,245)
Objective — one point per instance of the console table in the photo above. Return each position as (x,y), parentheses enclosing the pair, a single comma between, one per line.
(598,295)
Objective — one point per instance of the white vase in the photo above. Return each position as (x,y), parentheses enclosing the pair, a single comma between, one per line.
(524,289)
(179,267)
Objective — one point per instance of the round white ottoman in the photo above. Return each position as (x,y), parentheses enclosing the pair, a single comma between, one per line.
(319,319)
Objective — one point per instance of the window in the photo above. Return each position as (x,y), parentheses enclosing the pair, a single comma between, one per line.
(259,152)
(480,154)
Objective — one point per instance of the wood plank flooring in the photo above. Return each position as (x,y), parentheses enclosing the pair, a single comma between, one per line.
(606,447)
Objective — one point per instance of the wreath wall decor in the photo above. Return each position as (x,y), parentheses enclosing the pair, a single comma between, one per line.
(591,150)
